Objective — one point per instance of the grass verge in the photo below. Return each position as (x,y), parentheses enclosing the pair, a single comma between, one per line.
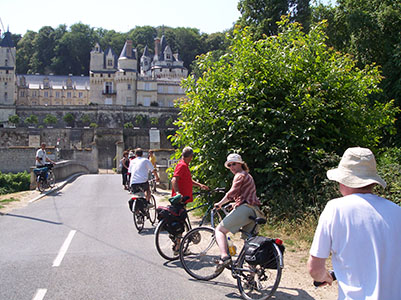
(6,201)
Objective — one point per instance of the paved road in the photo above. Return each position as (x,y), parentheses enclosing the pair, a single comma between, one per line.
(80,243)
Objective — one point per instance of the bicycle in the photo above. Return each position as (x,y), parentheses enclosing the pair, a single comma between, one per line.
(167,242)
(200,255)
(45,177)
(152,183)
(141,209)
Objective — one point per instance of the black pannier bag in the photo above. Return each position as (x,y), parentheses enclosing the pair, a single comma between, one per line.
(259,250)
(140,204)
(175,218)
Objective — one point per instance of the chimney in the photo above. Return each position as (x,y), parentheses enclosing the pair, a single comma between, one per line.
(157,46)
(129,48)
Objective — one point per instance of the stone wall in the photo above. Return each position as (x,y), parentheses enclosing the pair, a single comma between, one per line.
(111,116)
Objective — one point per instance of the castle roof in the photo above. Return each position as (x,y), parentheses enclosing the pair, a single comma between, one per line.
(125,54)
(55,81)
(7,40)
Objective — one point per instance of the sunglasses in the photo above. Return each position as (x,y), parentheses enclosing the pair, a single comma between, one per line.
(232,164)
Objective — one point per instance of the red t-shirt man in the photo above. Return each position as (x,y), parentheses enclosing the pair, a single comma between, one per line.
(182,181)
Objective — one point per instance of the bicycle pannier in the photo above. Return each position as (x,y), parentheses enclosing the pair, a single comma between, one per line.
(175,218)
(259,250)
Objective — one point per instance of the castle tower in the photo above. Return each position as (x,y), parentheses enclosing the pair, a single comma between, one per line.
(145,61)
(126,76)
(7,77)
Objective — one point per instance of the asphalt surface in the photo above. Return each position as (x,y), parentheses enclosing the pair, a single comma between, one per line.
(79,242)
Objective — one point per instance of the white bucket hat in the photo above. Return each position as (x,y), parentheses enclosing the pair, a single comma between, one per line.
(356,169)
(233,157)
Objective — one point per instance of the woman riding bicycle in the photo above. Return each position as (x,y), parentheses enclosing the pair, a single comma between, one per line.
(246,203)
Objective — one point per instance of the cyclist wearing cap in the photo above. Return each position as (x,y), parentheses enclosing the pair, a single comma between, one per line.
(246,203)
(182,181)
(361,231)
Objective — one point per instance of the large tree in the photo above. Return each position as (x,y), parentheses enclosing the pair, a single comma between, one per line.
(370,31)
(284,103)
(262,15)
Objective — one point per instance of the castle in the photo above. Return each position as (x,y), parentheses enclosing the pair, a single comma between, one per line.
(112,80)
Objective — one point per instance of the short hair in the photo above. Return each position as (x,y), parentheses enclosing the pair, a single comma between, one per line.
(125,152)
(187,152)
(138,152)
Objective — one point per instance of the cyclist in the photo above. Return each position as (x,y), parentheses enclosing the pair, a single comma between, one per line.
(139,169)
(182,181)
(361,231)
(246,203)
(41,158)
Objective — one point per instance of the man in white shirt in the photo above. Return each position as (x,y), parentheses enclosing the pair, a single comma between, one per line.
(41,159)
(41,156)
(362,231)
(139,169)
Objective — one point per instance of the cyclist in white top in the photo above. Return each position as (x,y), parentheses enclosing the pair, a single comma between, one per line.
(361,231)
(41,156)
(139,169)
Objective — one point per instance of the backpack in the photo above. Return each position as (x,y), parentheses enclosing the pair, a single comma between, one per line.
(259,250)
(175,216)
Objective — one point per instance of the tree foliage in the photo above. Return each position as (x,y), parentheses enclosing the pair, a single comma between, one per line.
(261,16)
(285,103)
(67,50)
(370,31)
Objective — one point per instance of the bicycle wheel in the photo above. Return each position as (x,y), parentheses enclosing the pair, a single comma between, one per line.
(258,282)
(200,254)
(166,243)
(139,218)
(41,185)
(152,210)
(51,180)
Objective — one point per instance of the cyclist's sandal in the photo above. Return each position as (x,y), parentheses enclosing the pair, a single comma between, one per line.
(223,262)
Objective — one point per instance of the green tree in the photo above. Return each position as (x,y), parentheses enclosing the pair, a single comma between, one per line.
(262,15)
(14,119)
(24,53)
(32,120)
(85,119)
(72,50)
(284,103)
(370,31)
(69,118)
(50,119)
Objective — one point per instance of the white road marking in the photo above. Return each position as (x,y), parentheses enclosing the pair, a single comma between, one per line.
(64,249)
(40,294)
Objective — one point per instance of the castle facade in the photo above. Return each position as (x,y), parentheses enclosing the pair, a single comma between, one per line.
(124,80)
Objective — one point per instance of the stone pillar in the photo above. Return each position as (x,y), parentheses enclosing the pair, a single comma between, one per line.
(119,153)
(154,138)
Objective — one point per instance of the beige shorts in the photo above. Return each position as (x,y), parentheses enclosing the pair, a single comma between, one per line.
(239,218)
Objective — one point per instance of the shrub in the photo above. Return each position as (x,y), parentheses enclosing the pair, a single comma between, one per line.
(11,183)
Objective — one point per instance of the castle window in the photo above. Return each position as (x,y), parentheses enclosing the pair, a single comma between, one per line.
(5,95)
(57,94)
(46,95)
(108,87)
(101,75)
(22,94)
(129,101)
(147,86)
(6,62)
(109,75)
(80,95)
(110,62)
(129,86)
(68,94)
(92,75)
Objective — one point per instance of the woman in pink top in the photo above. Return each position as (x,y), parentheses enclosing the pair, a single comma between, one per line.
(246,203)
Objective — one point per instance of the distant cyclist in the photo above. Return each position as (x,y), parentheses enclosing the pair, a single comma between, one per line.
(139,169)
(41,159)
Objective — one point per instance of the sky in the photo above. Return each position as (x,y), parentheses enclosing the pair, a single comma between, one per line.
(208,16)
